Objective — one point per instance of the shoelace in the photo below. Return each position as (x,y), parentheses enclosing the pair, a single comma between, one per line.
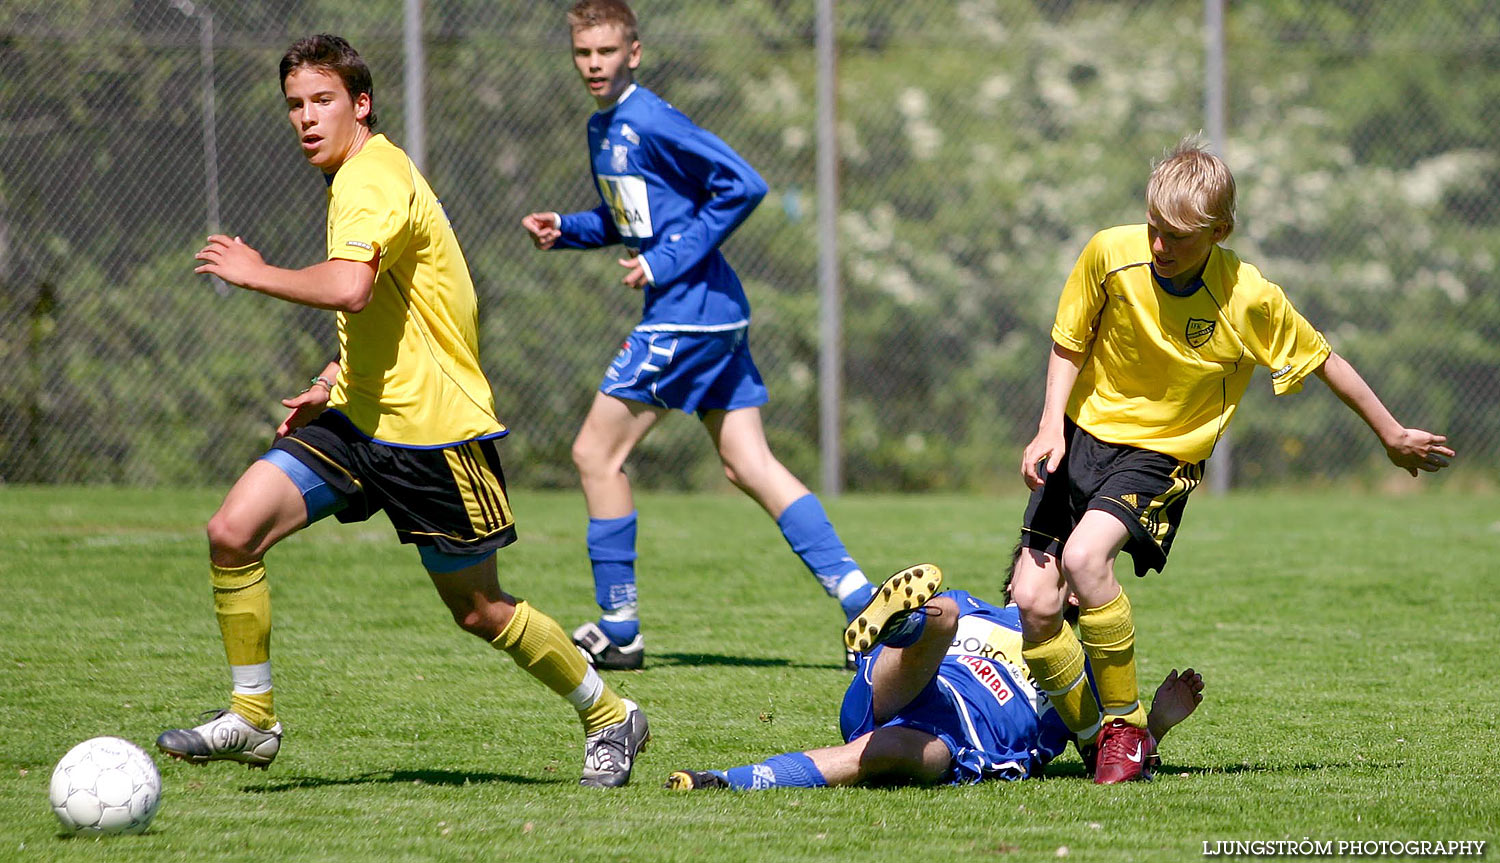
(606,754)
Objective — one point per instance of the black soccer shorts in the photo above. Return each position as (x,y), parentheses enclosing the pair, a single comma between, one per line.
(451,498)
(1145,490)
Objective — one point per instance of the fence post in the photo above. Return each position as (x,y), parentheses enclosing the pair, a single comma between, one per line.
(1221,469)
(416,84)
(830,330)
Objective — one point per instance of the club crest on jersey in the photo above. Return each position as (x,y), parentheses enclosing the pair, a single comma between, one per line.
(619,158)
(1199,332)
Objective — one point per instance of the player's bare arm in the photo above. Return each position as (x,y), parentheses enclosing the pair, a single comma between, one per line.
(544,228)
(338,285)
(1047,448)
(1410,449)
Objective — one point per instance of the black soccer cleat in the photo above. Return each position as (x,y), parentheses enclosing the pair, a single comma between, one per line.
(894,601)
(605,654)
(695,780)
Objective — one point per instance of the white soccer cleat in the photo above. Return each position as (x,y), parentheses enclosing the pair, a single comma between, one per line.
(226,736)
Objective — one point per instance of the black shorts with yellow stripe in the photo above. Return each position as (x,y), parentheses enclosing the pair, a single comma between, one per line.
(451,498)
(1145,490)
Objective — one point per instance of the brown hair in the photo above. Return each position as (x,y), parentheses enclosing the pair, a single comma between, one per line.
(596,13)
(1191,188)
(336,55)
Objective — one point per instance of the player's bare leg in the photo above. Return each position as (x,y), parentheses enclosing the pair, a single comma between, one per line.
(899,674)
(740,438)
(263,507)
(609,433)
(615,730)
(1106,627)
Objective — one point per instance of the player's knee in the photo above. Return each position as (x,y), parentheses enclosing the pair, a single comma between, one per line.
(591,460)
(474,621)
(231,542)
(1037,601)
(1084,563)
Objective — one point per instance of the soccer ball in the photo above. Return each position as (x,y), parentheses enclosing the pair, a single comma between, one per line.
(105,785)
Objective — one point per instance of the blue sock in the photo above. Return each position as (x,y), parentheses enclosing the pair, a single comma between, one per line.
(808,531)
(612,553)
(857,600)
(792,770)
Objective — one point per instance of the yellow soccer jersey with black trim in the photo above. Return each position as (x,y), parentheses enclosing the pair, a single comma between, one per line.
(1165,372)
(409,372)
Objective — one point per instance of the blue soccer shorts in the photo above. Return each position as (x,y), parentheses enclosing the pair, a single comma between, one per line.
(690,372)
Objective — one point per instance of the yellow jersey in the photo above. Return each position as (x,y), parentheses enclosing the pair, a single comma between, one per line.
(409,372)
(1164,371)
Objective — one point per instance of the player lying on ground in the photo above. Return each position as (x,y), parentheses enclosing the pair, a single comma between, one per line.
(671,193)
(939,696)
(1158,332)
(404,421)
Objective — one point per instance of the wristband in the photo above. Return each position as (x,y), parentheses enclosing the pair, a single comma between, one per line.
(319,380)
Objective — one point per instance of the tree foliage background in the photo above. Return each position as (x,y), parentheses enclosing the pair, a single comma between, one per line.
(982,142)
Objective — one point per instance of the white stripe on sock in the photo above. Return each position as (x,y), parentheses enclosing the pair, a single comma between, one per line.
(849,583)
(251,679)
(587,692)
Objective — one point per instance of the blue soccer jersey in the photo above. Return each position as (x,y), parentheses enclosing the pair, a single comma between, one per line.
(981,703)
(672,192)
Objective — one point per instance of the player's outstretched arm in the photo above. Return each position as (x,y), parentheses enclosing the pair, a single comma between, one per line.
(1410,449)
(336,284)
(1176,699)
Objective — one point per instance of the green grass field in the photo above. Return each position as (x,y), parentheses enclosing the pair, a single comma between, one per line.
(1348,641)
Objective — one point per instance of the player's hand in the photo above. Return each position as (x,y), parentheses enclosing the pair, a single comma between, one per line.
(305,406)
(1041,457)
(1416,450)
(635,276)
(1175,700)
(229,259)
(544,228)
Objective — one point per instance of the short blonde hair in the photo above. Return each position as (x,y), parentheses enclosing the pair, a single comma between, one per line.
(1191,188)
(587,14)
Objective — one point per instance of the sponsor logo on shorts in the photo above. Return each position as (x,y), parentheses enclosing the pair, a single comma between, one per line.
(360,244)
(1199,332)
(1281,372)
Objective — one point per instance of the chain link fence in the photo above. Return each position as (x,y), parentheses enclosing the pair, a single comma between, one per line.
(981,143)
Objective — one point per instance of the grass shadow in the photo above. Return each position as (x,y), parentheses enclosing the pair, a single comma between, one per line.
(719,659)
(400,777)
(1074,769)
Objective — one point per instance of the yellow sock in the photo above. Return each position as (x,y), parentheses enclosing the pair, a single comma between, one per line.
(1057,665)
(540,646)
(242,602)
(1108,635)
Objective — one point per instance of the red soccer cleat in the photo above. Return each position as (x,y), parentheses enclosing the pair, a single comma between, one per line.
(1126,754)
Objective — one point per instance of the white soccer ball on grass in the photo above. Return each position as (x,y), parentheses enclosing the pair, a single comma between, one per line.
(105,785)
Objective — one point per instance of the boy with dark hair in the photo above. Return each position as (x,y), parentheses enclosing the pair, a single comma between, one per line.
(403,421)
(672,194)
(1158,331)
